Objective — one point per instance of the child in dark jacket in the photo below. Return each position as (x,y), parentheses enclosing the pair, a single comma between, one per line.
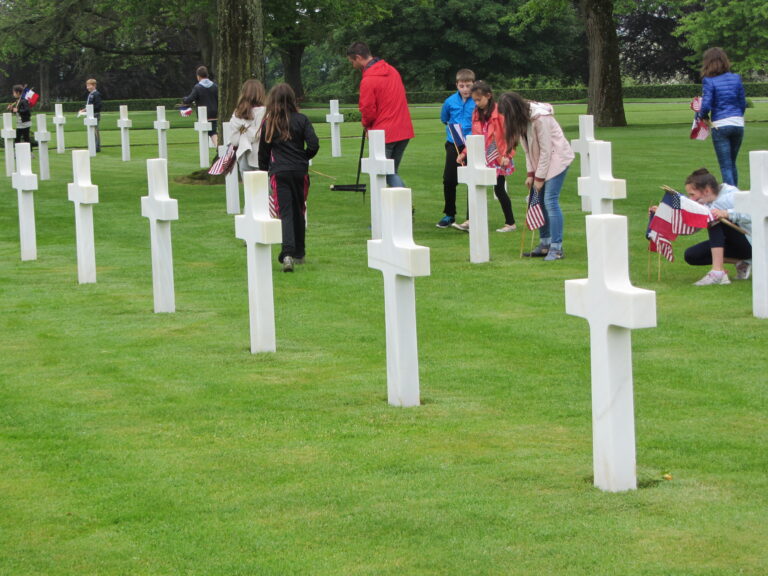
(288,142)
(23,114)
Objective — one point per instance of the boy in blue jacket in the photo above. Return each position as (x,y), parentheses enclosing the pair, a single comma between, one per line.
(457,109)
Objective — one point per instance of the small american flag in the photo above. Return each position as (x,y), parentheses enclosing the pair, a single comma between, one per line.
(491,154)
(657,243)
(457,134)
(534,216)
(677,214)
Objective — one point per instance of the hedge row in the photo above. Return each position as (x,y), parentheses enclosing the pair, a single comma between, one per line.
(683,91)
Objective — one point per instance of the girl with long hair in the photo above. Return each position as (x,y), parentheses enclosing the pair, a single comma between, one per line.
(245,124)
(547,156)
(288,142)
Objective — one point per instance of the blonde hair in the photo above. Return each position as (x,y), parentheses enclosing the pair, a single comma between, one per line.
(90,82)
(465,75)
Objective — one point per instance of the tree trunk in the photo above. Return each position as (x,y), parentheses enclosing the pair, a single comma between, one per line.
(43,87)
(291,58)
(604,94)
(241,47)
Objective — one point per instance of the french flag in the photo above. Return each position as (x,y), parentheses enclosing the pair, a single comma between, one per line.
(185,111)
(30,96)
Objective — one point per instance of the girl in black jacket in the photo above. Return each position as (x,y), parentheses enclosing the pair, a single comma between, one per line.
(288,141)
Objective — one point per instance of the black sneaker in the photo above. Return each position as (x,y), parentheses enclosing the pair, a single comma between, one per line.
(446,221)
(538,252)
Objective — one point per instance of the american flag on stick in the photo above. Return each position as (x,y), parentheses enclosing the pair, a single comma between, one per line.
(677,214)
(457,134)
(534,216)
(491,154)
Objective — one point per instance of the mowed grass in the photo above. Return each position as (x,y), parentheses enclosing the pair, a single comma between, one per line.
(142,443)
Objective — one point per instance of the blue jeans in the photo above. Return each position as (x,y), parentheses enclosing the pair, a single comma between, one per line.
(552,232)
(727,141)
(394,151)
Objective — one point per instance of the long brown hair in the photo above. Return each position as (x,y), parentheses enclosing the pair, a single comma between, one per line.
(251,96)
(714,63)
(485,89)
(517,114)
(281,103)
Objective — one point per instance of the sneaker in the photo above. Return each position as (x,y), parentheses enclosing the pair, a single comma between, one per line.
(464,226)
(445,222)
(288,264)
(537,252)
(743,269)
(713,277)
(507,228)
(553,254)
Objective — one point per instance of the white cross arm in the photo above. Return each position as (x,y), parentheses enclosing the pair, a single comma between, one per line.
(476,172)
(255,223)
(377,163)
(24,178)
(160,208)
(600,183)
(403,260)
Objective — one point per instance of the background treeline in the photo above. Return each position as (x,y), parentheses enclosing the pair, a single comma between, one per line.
(149,49)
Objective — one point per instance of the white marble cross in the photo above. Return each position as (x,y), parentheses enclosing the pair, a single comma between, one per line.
(755,203)
(43,137)
(377,166)
(600,186)
(612,307)
(25,182)
(203,126)
(125,124)
(232,179)
(91,123)
(477,176)
(161,210)
(9,135)
(162,126)
(59,120)
(259,230)
(84,195)
(400,260)
(335,119)
(580,145)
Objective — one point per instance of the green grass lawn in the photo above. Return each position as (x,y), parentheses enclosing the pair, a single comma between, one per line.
(142,443)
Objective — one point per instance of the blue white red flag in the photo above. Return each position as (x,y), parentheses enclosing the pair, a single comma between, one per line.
(185,111)
(457,135)
(677,214)
(30,96)
(657,242)
(534,216)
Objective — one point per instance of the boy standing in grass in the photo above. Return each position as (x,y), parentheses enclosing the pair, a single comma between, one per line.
(457,109)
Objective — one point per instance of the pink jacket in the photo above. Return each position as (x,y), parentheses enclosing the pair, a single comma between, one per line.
(547,152)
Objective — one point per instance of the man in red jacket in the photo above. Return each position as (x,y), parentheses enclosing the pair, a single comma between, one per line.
(383,104)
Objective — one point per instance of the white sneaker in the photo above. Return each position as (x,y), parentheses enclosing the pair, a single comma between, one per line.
(713,277)
(464,226)
(743,269)
(507,228)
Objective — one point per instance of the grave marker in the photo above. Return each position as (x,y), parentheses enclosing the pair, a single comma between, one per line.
(477,176)
(59,120)
(377,166)
(755,203)
(43,137)
(125,123)
(25,182)
(613,307)
(202,126)
(9,135)
(259,230)
(581,146)
(231,180)
(162,126)
(400,260)
(160,209)
(600,186)
(84,195)
(335,119)
(91,125)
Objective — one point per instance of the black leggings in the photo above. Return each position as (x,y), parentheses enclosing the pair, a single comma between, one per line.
(736,245)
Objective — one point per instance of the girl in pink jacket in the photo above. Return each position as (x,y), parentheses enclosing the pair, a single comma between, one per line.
(547,156)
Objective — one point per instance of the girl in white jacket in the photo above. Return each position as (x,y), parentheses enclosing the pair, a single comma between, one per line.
(245,125)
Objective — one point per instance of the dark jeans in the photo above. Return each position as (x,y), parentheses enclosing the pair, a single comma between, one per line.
(450,178)
(292,189)
(22,135)
(736,246)
(394,151)
(727,142)
(506,204)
